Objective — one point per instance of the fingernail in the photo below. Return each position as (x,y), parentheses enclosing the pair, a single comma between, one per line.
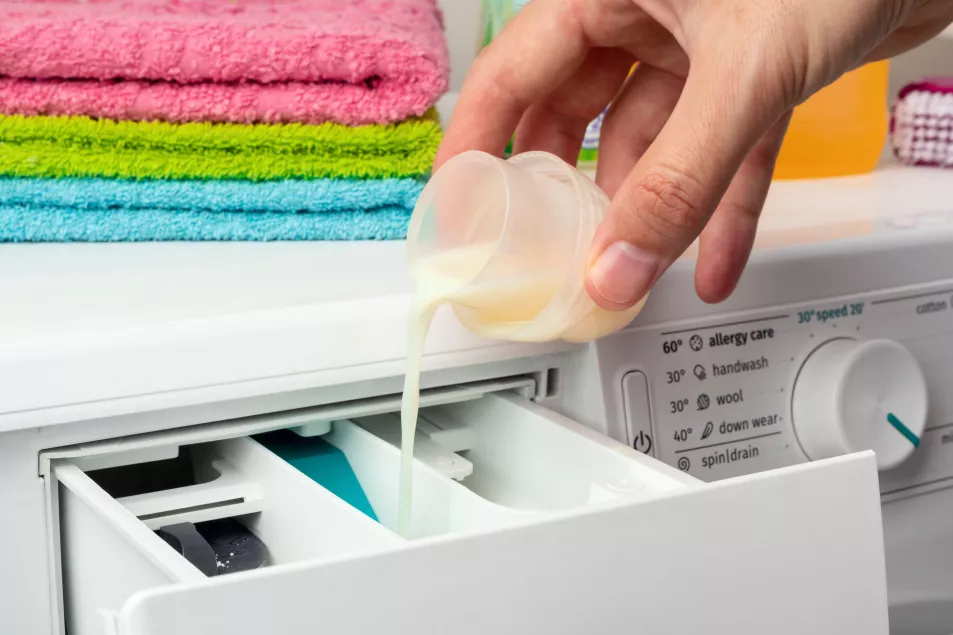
(623,273)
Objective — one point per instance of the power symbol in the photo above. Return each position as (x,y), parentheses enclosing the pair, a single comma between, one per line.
(642,443)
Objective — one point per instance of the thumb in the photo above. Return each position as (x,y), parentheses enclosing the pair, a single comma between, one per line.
(668,197)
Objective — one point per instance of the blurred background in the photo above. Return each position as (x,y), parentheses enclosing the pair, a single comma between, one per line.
(463,34)
(463,19)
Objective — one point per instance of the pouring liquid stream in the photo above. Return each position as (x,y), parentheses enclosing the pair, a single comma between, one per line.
(421,315)
(494,307)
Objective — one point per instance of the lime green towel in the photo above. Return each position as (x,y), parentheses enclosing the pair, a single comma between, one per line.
(84,147)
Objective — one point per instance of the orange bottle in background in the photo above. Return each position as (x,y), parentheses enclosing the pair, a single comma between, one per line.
(841,130)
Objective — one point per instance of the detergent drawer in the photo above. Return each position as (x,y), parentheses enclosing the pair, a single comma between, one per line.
(121,531)
(524,522)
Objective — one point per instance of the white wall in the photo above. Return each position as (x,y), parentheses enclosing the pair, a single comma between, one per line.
(933,58)
(462,18)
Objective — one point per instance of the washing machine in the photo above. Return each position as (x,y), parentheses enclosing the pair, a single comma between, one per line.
(781,462)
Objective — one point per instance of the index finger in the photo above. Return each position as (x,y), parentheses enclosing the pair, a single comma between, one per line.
(540,49)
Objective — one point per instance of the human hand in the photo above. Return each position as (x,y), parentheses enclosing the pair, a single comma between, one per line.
(689,143)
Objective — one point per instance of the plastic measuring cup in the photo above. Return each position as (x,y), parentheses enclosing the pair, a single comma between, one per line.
(509,241)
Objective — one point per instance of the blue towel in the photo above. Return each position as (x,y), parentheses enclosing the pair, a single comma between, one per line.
(31,224)
(107,210)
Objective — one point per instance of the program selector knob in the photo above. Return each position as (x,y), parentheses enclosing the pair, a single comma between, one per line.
(851,396)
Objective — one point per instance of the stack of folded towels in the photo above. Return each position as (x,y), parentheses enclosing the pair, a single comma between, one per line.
(140,120)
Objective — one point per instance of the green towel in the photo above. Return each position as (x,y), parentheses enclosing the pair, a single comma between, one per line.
(84,147)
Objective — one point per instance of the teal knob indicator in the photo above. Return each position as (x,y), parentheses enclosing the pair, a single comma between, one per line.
(902,429)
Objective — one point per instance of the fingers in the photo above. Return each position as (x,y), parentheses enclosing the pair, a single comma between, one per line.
(620,32)
(558,123)
(541,48)
(728,237)
(663,204)
(632,123)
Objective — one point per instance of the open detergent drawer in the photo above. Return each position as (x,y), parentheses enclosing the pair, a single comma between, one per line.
(524,522)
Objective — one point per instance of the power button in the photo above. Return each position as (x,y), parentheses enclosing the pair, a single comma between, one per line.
(642,442)
(638,415)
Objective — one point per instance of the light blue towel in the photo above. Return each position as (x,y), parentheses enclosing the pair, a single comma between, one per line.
(48,225)
(106,210)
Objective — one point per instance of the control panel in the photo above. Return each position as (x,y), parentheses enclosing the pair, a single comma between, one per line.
(767,389)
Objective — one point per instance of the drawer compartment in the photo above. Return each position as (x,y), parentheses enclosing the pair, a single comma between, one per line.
(109,548)
(527,457)
(106,553)
(440,505)
(523,460)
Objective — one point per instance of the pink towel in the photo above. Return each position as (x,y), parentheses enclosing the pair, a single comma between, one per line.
(349,61)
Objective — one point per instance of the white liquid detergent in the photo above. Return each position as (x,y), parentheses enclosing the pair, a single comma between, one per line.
(442,279)
(504,243)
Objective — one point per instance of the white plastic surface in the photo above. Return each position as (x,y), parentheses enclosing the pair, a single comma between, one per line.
(102,461)
(930,468)
(301,520)
(107,554)
(445,462)
(232,493)
(440,505)
(321,424)
(212,315)
(521,458)
(919,563)
(637,409)
(305,421)
(527,457)
(845,394)
(447,432)
(791,552)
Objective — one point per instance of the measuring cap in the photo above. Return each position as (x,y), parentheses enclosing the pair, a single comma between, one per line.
(507,244)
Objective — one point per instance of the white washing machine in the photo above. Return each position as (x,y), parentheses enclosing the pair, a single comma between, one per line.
(660,480)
